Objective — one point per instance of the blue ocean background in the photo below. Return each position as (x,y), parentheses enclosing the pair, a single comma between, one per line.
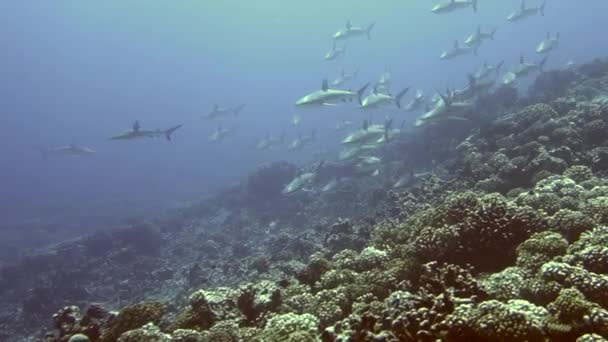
(81,71)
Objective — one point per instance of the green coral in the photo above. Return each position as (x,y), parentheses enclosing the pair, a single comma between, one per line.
(147,333)
(133,317)
(516,320)
(539,249)
(573,309)
(593,286)
(571,223)
(290,327)
(579,173)
(505,284)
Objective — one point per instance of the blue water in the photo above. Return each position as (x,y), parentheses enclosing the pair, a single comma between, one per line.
(81,71)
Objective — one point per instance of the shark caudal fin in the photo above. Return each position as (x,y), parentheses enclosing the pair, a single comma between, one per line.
(44,152)
(360,93)
(238,109)
(400,96)
(170,131)
(369,29)
(474,5)
(498,66)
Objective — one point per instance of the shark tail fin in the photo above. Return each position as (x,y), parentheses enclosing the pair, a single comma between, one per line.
(474,5)
(360,93)
(170,131)
(237,110)
(44,152)
(541,8)
(400,96)
(368,30)
(498,66)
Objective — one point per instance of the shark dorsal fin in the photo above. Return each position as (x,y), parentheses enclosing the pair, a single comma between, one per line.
(521,59)
(324,85)
(136,126)
(478,29)
(455,44)
(215,107)
(348,24)
(485,64)
(471,81)
(342,73)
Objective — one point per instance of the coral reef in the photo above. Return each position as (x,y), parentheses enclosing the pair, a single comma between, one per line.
(506,240)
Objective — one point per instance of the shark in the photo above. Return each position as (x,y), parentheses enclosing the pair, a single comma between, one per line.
(335,52)
(458,50)
(379,99)
(523,69)
(487,69)
(342,125)
(220,134)
(478,37)
(453,5)
(344,77)
(137,133)
(349,31)
(301,180)
(548,44)
(217,111)
(524,12)
(416,103)
(269,141)
(67,150)
(447,108)
(327,96)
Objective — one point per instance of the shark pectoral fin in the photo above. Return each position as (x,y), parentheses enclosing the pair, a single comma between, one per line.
(400,96)
(458,118)
(170,131)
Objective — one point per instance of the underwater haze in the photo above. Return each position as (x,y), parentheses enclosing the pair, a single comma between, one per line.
(79,72)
